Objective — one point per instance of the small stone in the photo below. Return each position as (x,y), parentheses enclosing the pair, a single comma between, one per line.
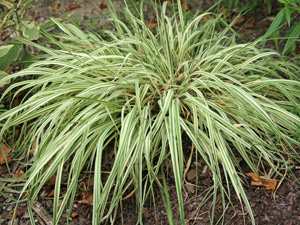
(13,222)
(191,174)
(9,207)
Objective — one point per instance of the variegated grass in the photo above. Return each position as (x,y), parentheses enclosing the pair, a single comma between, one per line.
(141,90)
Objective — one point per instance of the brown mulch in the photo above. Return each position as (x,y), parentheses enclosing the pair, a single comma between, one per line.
(282,208)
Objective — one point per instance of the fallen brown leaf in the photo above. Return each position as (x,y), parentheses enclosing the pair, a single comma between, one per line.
(51,194)
(250,24)
(17,131)
(55,7)
(16,103)
(18,173)
(267,218)
(6,151)
(19,212)
(240,20)
(185,7)
(36,16)
(74,214)
(9,70)
(129,195)
(87,198)
(103,5)
(270,184)
(206,18)
(51,181)
(222,10)
(72,6)
(151,25)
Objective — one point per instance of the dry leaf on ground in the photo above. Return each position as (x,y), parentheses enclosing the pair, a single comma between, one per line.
(74,214)
(19,213)
(151,25)
(206,18)
(6,151)
(72,6)
(103,5)
(87,198)
(250,23)
(18,173)
(270,184)
(55,7)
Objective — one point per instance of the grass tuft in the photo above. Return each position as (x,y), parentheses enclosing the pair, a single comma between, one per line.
(134,94)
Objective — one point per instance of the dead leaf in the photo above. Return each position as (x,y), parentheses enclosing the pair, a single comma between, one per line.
(36,16)
(52,181)
(72,6)
(206,18)
(253,176)
(16,103)
(240,20)
(74,214)
(129,195)
(87,198)
(19,212)
(103,5)
(270,184)
(267,218)
(185,7)
(33,147)
(222,10)
(55,7)
(151,25)
(9,70)
(18,173)
(250,24)
(51,194)
(6,151)
(17,131)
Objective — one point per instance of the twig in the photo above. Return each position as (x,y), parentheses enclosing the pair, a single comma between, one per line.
(42,212)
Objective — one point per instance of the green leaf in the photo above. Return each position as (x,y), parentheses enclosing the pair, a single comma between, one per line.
(7,4)
(269,6)
(24,5)
(6,20)
(3,75)
(277,22)
(287,13)
(291,49)
(293,35)
(4,49)
(27,58)
(274,36)
(49,23)
(10,56)
(29,30)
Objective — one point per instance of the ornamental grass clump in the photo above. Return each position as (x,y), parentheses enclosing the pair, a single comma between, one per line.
(134,94)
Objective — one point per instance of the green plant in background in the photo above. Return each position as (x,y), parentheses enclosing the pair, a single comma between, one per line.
(134,97)
(284,16)
(289,11)
(23,26)
(252,5)
(15,18)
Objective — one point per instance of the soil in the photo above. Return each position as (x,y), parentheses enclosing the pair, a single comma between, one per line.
(281,207)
